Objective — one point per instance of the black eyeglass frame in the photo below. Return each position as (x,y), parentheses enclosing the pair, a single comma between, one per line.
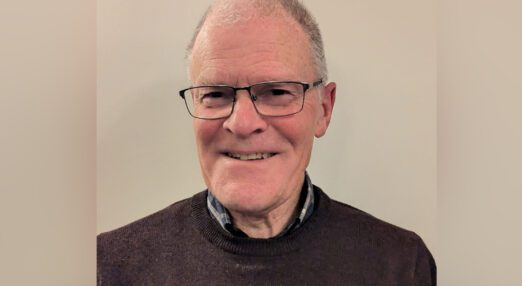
(306,87)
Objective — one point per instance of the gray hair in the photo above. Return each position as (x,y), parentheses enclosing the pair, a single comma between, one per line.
(266,8)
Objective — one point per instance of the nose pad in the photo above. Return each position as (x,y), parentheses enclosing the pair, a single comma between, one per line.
(245,119)
(246,103)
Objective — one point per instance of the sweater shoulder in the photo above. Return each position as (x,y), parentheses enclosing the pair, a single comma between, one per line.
(140,249)
(348,219)
(396,253)
(163,223)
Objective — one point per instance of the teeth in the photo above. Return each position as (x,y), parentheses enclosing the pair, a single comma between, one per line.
(252,156)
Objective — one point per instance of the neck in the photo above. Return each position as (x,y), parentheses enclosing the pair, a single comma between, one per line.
(270,223)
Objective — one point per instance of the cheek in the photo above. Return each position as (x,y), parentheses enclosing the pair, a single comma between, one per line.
(206,133)
(299,133)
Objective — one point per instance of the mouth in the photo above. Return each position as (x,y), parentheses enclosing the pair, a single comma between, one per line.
(249,156)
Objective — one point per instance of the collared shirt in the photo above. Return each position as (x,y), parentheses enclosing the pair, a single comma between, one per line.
(305,207)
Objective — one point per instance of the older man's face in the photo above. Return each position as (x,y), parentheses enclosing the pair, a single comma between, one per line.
(243,54)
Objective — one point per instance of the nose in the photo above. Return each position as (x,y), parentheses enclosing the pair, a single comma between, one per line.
(245,120)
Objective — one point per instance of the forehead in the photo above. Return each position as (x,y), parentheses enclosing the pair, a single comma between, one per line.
(250,51)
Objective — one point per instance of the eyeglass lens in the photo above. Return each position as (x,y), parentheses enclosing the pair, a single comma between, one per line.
(270,99)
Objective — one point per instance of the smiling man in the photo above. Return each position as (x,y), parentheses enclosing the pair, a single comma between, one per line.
(255,143)
(259,97)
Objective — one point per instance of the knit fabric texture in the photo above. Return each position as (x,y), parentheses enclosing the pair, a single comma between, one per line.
(338,245)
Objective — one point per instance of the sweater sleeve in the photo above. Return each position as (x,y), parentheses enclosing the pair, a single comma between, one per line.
(425,267)
(107,270)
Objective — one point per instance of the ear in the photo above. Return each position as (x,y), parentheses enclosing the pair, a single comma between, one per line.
(327,104)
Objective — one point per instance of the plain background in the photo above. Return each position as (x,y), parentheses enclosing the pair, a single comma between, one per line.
(426,131)
(47,142)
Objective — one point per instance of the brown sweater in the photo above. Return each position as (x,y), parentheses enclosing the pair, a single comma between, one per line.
(338,245)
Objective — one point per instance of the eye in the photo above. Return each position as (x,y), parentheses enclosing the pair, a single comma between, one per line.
(213,94)
(280,91)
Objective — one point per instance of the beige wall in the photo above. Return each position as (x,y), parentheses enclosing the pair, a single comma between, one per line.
(480,142)
(47,142)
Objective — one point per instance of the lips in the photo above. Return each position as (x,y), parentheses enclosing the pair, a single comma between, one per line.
(250,156)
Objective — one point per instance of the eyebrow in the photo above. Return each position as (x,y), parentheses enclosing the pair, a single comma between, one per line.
(205,82)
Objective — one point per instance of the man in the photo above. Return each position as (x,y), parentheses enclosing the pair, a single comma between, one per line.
(259,96)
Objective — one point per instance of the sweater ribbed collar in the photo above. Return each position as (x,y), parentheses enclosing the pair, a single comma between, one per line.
(215,234)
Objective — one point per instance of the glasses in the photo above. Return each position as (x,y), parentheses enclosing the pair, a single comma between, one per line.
(273,98)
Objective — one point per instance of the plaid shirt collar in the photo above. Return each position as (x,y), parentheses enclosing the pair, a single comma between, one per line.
(305,205)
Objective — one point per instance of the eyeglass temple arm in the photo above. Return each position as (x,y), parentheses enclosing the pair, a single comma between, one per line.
(317,83)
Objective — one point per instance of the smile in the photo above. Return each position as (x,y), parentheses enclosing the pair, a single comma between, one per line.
(251,156)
